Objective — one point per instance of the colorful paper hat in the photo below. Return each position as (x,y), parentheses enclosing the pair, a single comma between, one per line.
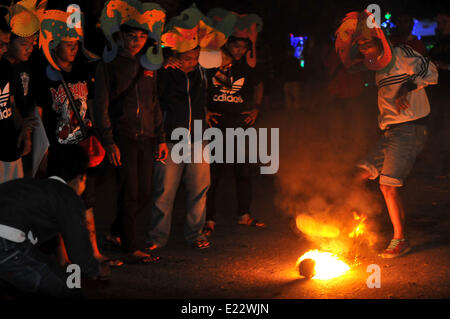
(359,26)
(54,29)
(245,26)
(147,16)
(191,29)
(23,17)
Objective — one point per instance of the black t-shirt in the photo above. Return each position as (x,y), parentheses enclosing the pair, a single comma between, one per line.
(8,130)
(22,88)
(61,125)
(231,88)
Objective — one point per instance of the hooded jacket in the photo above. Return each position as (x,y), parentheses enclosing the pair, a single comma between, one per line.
(183,99)
(120,109)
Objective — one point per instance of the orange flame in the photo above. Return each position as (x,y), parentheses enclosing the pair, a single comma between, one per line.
(360,228)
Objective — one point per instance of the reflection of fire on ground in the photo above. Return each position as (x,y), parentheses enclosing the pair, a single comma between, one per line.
(339,246)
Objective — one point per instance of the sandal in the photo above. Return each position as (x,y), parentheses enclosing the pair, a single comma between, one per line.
(143,260)
(114,263)
(201,244)
(251,222)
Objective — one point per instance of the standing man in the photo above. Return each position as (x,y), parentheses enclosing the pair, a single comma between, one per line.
(15,141)
(60,122)
(235,95)
(23,38)
(182,90)
(127,111)
(401,76)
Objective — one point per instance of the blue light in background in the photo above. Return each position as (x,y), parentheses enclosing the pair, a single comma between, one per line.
(299,44)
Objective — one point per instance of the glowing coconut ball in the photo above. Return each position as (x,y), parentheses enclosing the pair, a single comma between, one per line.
(321,265)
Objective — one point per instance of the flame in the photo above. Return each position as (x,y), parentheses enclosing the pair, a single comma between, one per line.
(309,226)
(328,266)
(360,229)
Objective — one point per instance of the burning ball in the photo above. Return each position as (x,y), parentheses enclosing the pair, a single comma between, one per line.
(307,268)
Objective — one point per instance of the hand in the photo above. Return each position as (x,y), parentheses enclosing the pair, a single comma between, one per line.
(210,120)
(401,100)
(24,141)
(163,152)
(113,153)
(172,62)
(252,115)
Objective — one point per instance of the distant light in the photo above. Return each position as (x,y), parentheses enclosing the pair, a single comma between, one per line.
(387,16)
(162,46)
(366,84)
(302,63)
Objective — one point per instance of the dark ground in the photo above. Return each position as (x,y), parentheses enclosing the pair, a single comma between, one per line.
(260,263)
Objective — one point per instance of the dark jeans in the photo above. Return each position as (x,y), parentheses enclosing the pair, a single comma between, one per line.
(134,187)
(29,271)
(242,171)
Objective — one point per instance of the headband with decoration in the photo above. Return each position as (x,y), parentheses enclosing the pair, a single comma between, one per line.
(245,26)
(192,29)
(356,27)
(146,16)
(24,17)
(54,29)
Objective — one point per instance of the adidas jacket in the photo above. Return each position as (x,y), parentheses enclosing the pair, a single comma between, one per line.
(408,66)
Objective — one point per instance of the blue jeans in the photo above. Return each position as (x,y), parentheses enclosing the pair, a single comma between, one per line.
(29,271)
(166,180)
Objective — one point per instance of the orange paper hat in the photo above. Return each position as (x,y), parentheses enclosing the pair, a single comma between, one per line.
(24,17)
(246,26)
(147,16)
(356,26)
(55,28)
(191,29)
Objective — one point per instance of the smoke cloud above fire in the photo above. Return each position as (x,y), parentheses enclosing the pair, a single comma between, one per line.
(320,143)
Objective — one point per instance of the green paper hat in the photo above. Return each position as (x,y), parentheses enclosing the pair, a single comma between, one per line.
(54,29)
(147,16)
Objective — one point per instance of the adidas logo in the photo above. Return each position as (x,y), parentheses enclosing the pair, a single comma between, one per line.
(4,95)
(228,92)
(235,86)
(227,98)
(6,113)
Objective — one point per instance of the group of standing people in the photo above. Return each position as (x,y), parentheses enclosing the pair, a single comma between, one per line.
(123,110)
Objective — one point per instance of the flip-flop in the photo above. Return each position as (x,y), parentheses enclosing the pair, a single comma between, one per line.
(143,260)
(114,263)
(207,231)
(252,222)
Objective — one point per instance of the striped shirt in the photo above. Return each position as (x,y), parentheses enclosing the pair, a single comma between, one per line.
(409,66)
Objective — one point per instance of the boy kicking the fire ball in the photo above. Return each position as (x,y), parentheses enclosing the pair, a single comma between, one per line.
(401,76)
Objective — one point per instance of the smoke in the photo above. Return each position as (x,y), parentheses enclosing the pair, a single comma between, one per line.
(320,143)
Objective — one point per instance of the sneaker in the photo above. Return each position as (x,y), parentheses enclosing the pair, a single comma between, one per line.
(201,244)
(396,248)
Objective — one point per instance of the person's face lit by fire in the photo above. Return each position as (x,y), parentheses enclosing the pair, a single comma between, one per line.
(238,49)
(189,60)
(20,48)
(4,42)
(369,47)
(133,41)
(66,51)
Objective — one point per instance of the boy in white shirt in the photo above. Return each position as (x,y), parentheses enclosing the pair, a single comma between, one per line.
(401,75)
